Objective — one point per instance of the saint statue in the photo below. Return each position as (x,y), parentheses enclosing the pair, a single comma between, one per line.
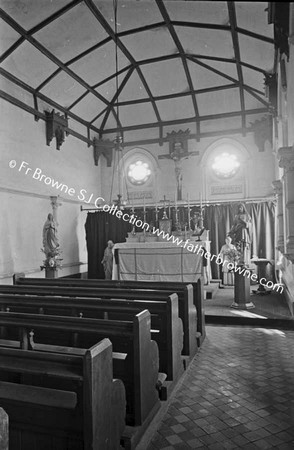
(229,254)
(107,260)
(241,233)
(50,240)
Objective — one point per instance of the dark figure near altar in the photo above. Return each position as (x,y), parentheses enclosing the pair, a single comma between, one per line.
(241,233)
(196,225)
(107,260)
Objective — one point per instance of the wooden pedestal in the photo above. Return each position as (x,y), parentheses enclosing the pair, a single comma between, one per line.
(242,291)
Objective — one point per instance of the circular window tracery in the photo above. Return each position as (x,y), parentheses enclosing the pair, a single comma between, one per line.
(138,172)
(225,165)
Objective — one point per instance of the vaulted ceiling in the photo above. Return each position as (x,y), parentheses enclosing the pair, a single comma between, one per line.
(140,67)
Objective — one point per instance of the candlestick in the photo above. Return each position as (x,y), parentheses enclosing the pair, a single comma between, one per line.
(189,213)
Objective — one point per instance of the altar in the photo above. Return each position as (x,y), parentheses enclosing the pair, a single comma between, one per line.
(156,261)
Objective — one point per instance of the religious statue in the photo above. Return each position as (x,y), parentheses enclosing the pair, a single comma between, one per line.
(107,260)
(196,225)
(178,172)
(51,247)
(229,254)
(240,233)
(178,150)
(50,239)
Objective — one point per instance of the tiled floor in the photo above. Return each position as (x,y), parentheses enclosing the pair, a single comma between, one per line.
(238,393)
(273,305)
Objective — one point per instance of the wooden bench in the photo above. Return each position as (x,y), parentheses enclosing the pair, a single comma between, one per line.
(187,310)
(170,286)
(167,328)
(136,355)
(62,401)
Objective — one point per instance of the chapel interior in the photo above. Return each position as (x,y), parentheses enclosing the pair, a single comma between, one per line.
(140,141)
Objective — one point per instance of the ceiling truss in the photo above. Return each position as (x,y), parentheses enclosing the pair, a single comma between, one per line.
(135,66)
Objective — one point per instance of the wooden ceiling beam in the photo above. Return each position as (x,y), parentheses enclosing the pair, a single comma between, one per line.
(209,26)
(97,14)
(255,35)
(114,99)
(89,142)
(227,77)
(54,16)
(233,23)
(188,120)
(38,27)
(73,60)
(11,49)
(179,46)
(46,99)
(14,101)
(206,134)
(178,95)
(48,54)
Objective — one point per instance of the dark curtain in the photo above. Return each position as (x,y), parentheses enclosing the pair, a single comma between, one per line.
(218,219)
(100,228)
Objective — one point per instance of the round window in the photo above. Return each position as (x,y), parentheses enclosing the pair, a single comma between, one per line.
(138,172)
(225,165)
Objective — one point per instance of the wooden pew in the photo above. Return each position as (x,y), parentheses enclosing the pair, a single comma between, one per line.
(135,362)
(72,401)
(187,310)
(167,328)
(169,286)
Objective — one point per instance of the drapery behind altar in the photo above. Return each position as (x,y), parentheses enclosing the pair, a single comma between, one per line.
(101,227)
(219,219)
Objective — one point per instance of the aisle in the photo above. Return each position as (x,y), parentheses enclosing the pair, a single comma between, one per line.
(238,393)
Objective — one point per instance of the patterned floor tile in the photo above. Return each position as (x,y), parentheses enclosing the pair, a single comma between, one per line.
(238,393)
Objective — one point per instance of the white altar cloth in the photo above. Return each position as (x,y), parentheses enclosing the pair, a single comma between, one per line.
(155,261)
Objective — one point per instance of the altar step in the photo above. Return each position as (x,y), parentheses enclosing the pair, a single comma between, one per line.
(210,290)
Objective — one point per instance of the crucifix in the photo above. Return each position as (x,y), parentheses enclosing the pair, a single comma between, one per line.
(178,150)
(164,208)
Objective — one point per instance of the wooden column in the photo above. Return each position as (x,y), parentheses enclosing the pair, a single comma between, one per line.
(55,203)
(286,161)
(278,189)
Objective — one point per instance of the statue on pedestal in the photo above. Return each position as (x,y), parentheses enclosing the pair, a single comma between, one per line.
(196,225)
(241,237)
(50,239)
(107,260)
(51,246)
(240,233)
(229,254)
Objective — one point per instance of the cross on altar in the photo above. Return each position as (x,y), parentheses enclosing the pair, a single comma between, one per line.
(178,150)
(164,208)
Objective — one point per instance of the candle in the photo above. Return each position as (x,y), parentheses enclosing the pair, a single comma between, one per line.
(189,216)
(200,202)
(144,207)
(175,199)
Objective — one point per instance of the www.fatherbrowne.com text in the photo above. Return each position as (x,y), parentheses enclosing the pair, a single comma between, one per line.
(83,196)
